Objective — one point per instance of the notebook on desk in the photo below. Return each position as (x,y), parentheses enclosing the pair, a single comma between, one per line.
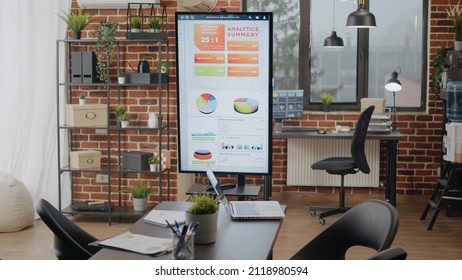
(246,210)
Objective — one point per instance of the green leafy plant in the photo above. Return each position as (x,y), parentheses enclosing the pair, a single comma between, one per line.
(153,160)
(105,48)
(438,64)
(121,114)
(139,190)
(203,204)
(82,97)
(136,22)
(326,98)
(455,13)
(76,21)
(154,23)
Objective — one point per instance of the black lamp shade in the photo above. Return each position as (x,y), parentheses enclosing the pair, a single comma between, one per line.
(361,18)
(333,41)
(393,84)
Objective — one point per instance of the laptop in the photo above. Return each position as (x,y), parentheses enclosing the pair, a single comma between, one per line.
(246,210)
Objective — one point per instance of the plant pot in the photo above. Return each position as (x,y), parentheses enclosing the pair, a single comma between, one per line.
(457,45)
(76,35)
(153,167)
(135,30)
(121,80)
(326,107)
(124,124)
(206,231)
(81,102)
(139,204)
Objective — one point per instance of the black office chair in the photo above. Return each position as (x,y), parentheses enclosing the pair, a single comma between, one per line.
(70,241)
(372,223)
(345,165)
(396,253)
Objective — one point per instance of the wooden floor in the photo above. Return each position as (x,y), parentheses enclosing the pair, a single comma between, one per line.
(444,242)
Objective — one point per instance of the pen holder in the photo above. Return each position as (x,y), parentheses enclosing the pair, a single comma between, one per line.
(183,246)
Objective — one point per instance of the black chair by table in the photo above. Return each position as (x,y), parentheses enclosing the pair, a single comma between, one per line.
(372,223)
(70,241)
(395,253)
(345,165)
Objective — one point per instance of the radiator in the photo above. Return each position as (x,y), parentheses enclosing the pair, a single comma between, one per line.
(302,152)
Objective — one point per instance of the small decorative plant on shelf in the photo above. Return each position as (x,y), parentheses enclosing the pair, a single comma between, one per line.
(76,21)
(121,78)
(121,115)
(164,67)
(135,24)
(82,100)
(140,193)
(326,99)
(154,24)
(204,211)
(455,13)
(439,64)
(154,163)
(105,48)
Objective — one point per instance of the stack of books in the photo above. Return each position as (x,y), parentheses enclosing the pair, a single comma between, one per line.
(380,123)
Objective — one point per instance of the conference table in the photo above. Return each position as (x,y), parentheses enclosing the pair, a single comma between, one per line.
(390,139)
(236,240)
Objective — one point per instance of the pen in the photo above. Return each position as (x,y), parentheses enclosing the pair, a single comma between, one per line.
(170,226)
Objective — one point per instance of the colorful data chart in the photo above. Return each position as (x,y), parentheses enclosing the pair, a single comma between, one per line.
(245,105)
(202,154)
(206,103)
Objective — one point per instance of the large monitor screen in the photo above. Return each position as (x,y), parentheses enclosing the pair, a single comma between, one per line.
(224,72)
(287,104)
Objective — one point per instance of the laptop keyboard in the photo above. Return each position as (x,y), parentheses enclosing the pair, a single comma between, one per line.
(245,209)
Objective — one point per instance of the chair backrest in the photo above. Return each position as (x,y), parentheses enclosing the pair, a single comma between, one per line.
(359,140)
(372,223)
(70,241)
(395,253)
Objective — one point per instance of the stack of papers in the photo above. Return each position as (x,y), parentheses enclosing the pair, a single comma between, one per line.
(379,124)
(159,217)
(139,243)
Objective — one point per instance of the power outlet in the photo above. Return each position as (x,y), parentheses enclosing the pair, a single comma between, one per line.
(102,178)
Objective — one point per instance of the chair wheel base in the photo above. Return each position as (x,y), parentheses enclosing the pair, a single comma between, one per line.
(322,221)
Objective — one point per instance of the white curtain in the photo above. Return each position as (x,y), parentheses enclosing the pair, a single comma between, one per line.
(28,134)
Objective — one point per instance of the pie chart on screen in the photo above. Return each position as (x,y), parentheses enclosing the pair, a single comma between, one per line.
(245,105)
(206,103)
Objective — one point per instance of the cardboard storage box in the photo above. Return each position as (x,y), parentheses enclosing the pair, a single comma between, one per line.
(86,115)
(85,159)
(379,104)
(136,160)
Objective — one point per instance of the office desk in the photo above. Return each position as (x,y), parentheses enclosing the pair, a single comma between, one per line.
(391,140)
(240,240)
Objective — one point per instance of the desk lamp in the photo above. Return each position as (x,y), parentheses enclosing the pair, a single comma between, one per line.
(394,85)
(361,18)
(333,41)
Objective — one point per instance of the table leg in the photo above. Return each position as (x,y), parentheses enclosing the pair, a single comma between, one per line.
(390,180)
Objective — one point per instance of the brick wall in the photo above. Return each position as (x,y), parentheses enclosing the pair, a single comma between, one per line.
(418,155)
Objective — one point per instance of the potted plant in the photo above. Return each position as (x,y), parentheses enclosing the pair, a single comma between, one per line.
(121,115)
(135,24)
(76,21)
(204,211)
(153,163)
(154,24)
(81,100)
(164,67)
(140,193)
(121,78)
(326,99)
(105,48)
(456,14)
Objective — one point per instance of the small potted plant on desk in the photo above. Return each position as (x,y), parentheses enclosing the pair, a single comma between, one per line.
(203,211)
(140,193)
(154,163)
(326,99)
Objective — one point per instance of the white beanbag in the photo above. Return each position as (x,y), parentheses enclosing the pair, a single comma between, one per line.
(16,206)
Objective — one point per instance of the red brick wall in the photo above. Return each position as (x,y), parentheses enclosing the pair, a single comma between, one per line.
(418,155)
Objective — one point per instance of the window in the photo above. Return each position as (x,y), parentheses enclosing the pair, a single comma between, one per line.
(362,67)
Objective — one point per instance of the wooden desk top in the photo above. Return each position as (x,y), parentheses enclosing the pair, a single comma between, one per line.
(240,240)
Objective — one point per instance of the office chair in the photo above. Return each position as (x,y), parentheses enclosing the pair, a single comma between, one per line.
(70,241)
(396,253)
(345,165)
(372,223)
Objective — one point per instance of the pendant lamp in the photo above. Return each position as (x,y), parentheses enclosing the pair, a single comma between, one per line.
(361,18)
(333,41)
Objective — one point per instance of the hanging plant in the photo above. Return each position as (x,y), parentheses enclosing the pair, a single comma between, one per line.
(105,48)
(438,64)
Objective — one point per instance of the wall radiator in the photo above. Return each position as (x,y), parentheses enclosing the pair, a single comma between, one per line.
(302,152)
